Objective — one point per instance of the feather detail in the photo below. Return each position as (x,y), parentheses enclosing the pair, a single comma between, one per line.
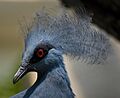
(71,34)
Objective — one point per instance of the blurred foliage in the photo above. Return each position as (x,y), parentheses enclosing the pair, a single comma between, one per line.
(7,88)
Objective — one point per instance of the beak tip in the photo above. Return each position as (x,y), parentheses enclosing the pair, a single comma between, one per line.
(14,80)
(19,74)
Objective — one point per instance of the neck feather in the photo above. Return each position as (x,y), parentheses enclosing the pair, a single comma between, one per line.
(54,83)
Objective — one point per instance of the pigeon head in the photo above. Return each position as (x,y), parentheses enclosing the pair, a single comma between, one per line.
(66,33)
(41,58)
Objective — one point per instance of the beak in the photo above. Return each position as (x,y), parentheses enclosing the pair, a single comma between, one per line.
(19,74)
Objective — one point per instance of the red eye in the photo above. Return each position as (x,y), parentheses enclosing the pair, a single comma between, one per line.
(40,53)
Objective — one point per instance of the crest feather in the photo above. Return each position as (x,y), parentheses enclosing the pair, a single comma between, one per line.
(71,34)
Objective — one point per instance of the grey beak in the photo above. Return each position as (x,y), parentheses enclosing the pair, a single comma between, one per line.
(19,74)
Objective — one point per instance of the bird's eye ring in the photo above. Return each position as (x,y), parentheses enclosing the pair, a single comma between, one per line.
(40,53)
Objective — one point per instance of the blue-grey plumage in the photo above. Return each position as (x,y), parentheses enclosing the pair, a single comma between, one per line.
(52,81)
(50,38)
(72,34)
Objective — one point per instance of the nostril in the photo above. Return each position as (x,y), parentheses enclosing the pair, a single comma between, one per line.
(22,68)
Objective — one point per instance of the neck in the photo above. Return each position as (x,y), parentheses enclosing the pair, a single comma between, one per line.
(55,80)
(57,74)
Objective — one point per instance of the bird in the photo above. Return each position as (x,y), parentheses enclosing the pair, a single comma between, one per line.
(51,37)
